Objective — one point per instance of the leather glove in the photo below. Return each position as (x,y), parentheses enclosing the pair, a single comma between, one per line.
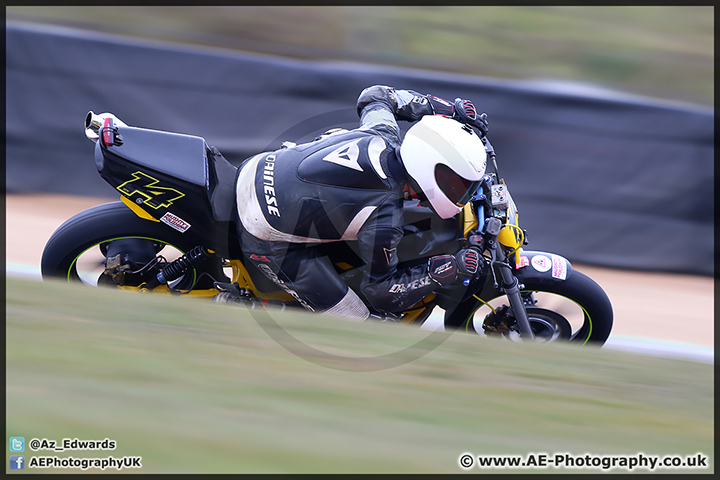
(447,269)
(465,112)
(461,110)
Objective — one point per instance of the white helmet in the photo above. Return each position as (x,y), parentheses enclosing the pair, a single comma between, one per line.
(445,160)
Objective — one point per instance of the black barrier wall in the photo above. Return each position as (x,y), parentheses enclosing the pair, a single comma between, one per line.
(617,181)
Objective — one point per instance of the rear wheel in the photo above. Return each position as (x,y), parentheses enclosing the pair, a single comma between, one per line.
(575,310)
(78,250)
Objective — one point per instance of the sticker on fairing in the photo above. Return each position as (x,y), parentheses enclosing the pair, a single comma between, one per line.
(559,267)
(522,262)
(175,222)
(541,263)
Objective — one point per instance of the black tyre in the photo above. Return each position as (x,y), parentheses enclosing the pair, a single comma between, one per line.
(76,251)
(575,310)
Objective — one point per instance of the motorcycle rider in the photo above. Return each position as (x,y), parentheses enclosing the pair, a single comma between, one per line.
(349,185)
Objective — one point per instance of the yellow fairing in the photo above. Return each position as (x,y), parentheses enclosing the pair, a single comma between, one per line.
(242,277)
(139,211)
(414,312)
(511,235)
(508,237)
(163,289)
(239,275)
(470,221)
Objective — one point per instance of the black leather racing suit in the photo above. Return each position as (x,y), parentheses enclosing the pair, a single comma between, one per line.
(348,185)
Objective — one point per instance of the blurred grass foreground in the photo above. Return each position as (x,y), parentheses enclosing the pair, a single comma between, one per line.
(197,387)
(659,51)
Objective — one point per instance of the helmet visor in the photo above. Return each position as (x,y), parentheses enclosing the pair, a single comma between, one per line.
(456,188)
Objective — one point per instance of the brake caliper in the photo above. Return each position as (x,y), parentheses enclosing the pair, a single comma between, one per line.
(498,322)
(115,269)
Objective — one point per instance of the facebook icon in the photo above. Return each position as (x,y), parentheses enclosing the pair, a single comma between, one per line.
(17,462)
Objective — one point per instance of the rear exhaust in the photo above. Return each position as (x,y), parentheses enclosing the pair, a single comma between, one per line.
(94,122)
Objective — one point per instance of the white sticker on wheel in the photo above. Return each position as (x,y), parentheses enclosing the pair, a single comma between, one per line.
(541,263)
(559,267)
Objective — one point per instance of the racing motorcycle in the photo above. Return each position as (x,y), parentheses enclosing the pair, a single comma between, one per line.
(174,232)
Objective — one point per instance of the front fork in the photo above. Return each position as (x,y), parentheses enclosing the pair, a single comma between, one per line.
(510,286)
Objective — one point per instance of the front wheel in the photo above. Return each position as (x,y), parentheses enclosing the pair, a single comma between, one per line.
(575,310)
(77,251)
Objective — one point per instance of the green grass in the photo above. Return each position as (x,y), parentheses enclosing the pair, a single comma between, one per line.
(661,51)
(197,387)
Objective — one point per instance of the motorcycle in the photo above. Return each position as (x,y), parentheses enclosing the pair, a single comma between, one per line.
(174,232)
